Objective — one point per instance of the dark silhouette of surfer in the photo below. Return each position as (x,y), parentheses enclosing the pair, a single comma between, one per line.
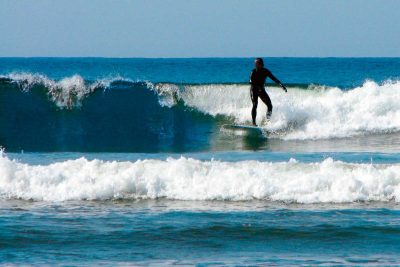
(257,89)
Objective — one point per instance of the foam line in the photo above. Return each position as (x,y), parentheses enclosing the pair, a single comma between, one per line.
(190,179)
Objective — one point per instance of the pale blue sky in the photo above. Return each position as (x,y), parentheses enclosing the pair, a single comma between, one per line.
(200,28)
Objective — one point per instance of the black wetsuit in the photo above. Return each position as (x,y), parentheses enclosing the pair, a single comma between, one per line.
(257,89)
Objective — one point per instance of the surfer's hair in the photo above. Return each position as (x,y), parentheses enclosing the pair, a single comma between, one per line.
(260,60)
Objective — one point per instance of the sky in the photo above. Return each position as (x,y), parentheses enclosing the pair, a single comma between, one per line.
(200,28)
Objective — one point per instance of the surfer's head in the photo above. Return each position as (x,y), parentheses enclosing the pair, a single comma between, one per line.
(258,63)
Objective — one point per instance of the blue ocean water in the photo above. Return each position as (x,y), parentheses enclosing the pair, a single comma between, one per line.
(126,162)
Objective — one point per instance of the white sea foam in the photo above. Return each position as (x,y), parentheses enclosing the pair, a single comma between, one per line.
(315,113)
(190,179)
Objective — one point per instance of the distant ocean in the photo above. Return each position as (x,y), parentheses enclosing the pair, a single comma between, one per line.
(125,162)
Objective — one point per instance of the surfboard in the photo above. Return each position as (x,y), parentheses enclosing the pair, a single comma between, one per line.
(244,129)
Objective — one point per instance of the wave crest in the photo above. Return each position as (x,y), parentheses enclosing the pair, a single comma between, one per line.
(68,92)
(190,179)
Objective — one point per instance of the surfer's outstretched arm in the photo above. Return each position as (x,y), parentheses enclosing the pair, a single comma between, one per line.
(270,75)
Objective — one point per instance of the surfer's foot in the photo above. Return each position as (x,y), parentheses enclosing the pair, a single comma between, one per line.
(254,124)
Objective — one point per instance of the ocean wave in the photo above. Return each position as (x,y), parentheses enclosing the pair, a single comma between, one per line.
(68,92)
(190,179)
(319,112)
(304,113)
(115,115)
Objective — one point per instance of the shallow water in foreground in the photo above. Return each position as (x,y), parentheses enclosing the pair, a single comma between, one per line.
(141,228)
(162,232)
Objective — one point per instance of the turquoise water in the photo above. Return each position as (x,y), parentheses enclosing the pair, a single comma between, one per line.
(123,162)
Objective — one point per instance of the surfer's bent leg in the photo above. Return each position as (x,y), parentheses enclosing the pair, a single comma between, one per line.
(265,98)
(254,100)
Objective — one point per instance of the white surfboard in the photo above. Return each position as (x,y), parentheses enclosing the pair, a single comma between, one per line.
(244,129)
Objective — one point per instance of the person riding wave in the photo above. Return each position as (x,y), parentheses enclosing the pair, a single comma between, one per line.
(257,90)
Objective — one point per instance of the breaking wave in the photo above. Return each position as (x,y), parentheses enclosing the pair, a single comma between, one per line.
(117,114)
(317,112)
(190,179)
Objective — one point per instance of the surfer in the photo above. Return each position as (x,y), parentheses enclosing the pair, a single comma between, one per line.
(257,89)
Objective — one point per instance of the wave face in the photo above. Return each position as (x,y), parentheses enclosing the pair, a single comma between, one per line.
(116,114)
(190,179)
(40,114)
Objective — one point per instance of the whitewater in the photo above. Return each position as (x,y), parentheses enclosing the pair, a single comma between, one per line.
(310,113)
(191,179)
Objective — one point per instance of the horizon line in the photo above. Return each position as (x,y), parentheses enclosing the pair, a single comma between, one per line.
(212,57)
